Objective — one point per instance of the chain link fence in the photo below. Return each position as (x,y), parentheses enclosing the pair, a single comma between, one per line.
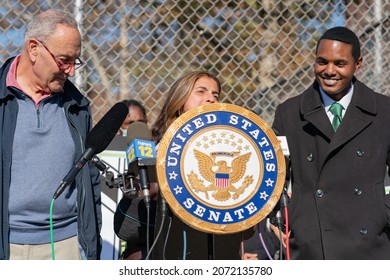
(262,51)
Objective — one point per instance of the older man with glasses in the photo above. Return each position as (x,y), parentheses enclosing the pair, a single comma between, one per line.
(64,65)
(44,120)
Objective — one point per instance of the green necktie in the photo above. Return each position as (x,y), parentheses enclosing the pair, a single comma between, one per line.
(336,110)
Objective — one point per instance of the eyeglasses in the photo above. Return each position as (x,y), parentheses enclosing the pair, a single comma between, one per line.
(64,65)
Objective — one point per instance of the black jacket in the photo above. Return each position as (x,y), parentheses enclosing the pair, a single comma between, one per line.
(338,208)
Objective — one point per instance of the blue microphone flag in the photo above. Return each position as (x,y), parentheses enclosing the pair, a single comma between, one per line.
(140,149)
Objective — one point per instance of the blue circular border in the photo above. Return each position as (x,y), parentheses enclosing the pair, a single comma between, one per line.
(260,203)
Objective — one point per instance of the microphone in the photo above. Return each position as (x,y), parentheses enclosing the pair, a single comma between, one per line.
(286,152)
(141,156)
(97,141)
(283,201)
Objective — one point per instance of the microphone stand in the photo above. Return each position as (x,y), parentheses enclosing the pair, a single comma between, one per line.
(144,180)
(284,202)
(210,246)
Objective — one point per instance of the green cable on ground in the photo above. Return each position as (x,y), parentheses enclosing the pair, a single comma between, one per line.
(51,229)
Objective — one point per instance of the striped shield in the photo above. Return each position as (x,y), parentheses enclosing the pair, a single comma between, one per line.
(222,180)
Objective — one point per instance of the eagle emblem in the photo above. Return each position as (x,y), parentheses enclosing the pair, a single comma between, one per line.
(219,175)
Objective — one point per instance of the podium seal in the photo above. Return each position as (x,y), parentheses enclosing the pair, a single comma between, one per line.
(220,168)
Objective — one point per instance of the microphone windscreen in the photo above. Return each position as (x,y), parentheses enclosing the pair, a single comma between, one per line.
(138,130)
(105,130)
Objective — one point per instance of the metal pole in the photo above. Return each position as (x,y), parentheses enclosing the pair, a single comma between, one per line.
(78,13)
(378,45)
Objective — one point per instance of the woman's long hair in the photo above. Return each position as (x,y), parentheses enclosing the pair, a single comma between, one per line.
(175,99)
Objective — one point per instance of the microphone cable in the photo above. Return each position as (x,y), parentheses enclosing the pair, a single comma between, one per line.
(279,221)
(166,238)
(164,211)
(147,228)
(51,229)
(260,235)
(131,217)
(184,241)
(263,243)
(242,246)
(287,234)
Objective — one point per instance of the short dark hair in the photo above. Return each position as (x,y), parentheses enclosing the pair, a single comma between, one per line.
(343,34)
(135,103)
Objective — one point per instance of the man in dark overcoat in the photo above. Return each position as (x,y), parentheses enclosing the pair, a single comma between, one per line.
(339,157)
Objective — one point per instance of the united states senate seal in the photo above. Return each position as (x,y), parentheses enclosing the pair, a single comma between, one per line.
(220,168)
